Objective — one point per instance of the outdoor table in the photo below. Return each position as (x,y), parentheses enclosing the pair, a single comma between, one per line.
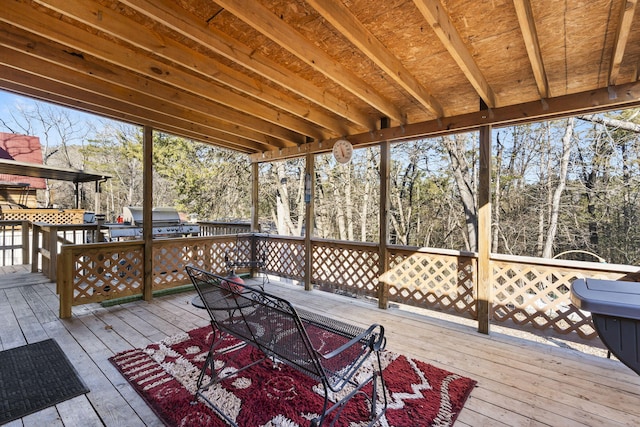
(615,311)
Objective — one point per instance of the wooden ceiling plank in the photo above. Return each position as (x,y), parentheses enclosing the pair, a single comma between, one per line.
(627,13)
(154,94)
(264,21)
(338,15)
(172,16)
(123,28)
(140,101)
(553,108)
(436,17)
(530,36)
(82,41)
(23,83)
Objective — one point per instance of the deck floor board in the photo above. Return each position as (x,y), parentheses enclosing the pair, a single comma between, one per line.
(521,382)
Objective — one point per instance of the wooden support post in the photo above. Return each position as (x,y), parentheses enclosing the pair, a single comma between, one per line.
(255,212)
(309,197)
(36,232)
(64,283)
(147,215)
(385,156)
(24,227)
(52,260)
(484,284)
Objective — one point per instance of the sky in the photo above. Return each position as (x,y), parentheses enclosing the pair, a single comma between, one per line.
(11,102)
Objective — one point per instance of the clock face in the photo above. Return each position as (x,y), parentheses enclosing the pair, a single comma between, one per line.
(342,151)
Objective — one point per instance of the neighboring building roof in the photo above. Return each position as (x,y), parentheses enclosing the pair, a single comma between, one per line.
(21,148)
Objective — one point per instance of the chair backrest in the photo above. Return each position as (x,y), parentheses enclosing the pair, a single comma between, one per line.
(261,319)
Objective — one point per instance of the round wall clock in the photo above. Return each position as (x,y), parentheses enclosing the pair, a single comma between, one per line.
(342,151)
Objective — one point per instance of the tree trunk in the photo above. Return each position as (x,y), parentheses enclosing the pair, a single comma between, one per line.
(496,201)
(464,181)
(562,180)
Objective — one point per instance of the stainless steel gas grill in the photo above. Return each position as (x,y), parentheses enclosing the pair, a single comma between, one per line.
(165,223)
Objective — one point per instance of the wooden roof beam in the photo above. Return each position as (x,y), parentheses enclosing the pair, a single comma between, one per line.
(435,15)
(264,21)
(627,12)
(137,89)
(88,44)
(530,36)
(176,18)
(349,26)
(536,111)
(23,83)
(122,28)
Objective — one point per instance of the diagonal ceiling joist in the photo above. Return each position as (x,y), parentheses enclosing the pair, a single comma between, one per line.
(63,32)
(175,18)
(264,21)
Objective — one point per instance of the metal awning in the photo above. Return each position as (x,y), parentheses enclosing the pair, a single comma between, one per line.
(12,167)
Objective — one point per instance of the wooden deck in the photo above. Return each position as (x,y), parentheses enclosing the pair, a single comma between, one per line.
(520,382)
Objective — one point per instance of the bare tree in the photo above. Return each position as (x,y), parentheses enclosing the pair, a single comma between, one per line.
(552,228)
(59,130)
(464,176)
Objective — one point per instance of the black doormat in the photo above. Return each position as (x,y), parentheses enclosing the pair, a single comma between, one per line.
(34,377)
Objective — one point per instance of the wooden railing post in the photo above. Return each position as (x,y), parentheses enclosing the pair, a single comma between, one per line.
(53,253)
(64,283)
(383,288)
(309,196)
(484,285)
(36,230)
(147,205)
(25,225)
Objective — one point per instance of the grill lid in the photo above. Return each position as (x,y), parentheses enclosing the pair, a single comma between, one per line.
(165,216)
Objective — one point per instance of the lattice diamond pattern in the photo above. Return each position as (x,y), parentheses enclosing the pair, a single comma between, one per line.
(526,294)
(106,274)
(432,280)
(347,268)
(539,295)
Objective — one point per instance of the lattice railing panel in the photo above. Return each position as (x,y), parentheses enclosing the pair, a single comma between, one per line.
(540,296)
(526,291)
(48,216)
(102,274)
(432,280)
(347,267)
(113,270)
(285,257)
(170,256)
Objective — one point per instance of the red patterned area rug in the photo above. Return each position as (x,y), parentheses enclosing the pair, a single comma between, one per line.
(269,395)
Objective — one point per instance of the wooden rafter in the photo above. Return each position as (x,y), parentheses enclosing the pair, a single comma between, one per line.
(112,23)
(175,18)
(435,15)
(37,56)
(343,20)
(91,92)
(43,89)
(530,36)
(264,21)
(627,13)
(121,57)
(208,71)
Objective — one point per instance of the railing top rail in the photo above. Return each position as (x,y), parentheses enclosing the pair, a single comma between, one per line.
(13,221)
(67,226)
(563,263)
(435,251)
